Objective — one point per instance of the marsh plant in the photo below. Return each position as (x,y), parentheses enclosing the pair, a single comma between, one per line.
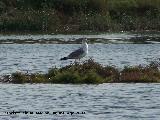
(90,72)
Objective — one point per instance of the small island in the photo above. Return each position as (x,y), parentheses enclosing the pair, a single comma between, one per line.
(89,72)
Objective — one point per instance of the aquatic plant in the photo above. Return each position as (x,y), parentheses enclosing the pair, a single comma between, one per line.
(19,78)
(90,72)
(38,78)
(66,78)
(92,78)
(85,72)
(140,74)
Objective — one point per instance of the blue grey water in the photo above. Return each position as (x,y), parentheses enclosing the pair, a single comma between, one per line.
(38,53)
(99,102)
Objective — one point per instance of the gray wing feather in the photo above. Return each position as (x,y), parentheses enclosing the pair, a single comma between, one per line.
(76,54)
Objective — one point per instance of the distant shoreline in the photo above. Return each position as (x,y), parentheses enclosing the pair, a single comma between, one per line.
(79,32)
(76,17)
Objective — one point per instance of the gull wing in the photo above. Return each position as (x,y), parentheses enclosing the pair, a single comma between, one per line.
(76,54)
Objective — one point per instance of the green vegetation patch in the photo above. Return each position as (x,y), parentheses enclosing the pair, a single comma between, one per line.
(90,72)
(76,16)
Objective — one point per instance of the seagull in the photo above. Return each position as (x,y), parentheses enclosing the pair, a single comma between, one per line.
(79,53)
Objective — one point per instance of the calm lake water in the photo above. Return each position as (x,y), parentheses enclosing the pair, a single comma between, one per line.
(99,102)
(38,53)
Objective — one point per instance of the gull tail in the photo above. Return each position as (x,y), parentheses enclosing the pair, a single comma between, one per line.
(65,58)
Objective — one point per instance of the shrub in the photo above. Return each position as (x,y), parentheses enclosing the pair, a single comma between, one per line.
(90,72)
(19,78)
(140,74)
(38,78)
(66,78)
(92,78)
(94,22)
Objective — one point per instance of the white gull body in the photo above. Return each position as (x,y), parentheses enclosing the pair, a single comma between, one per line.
(79,53)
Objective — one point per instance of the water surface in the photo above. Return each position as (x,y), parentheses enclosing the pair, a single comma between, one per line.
(136,38)
(99,102)
(38,53)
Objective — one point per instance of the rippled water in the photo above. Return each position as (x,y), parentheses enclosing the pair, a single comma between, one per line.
(38,53)
(147,37)
(99,102)
(41,57)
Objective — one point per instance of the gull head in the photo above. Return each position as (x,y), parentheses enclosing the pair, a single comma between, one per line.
(84,40)
(85,45)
